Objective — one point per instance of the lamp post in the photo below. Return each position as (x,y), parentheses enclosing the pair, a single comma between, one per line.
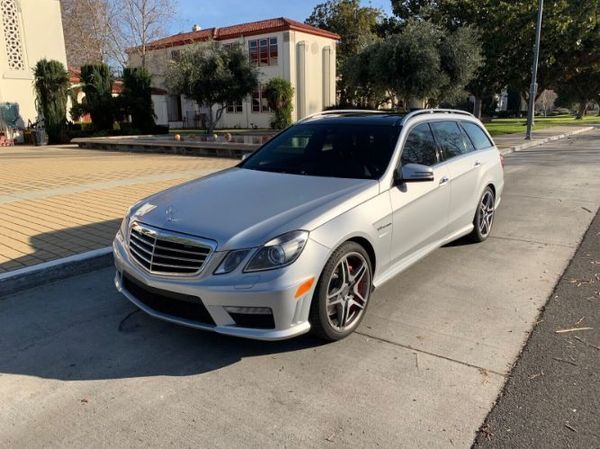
(534,70)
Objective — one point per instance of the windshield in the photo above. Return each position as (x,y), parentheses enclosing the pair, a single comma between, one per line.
(331,150)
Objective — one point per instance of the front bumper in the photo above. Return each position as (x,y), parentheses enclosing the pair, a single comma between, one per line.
(274,290)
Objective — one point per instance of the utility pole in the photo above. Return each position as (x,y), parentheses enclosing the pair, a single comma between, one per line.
(534,70)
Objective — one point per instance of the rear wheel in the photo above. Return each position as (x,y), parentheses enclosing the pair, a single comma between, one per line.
(342,293)
(484,217)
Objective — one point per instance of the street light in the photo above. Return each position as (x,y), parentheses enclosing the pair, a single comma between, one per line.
(534,70)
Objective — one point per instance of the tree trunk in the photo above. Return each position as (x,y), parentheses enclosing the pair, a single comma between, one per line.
(211,124)
(583,107)
(477,106)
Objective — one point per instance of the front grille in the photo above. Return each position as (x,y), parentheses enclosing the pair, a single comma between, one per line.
(168,253)
(168,303)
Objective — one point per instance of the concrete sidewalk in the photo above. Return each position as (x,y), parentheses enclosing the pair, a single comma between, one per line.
(507,143)
(552,398)
(57,202)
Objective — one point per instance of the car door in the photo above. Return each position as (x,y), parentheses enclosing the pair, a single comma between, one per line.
(464,168)
(420,209)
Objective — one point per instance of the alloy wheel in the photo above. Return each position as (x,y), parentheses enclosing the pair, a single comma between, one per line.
(486,214)
(348,291)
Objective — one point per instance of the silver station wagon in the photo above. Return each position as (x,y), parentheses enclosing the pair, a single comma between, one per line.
(297,236)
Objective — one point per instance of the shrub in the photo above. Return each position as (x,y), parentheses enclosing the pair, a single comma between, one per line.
(137,98)
(280,94)
(51,88)
(98,82)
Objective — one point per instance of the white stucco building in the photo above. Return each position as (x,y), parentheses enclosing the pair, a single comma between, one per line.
(30,30)
(285,48)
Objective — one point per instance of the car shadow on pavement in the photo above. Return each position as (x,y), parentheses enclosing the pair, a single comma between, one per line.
(65,242)
(81,328)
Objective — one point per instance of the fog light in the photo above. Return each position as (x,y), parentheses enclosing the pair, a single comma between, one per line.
(249,310)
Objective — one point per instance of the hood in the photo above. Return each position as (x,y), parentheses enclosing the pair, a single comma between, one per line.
(241,208)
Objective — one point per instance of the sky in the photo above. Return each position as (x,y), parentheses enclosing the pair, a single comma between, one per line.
(218,13)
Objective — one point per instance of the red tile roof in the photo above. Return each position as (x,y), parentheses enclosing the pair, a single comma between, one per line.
(75,78)
(236,31)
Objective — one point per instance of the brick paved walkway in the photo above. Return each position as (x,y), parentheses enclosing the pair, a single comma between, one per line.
(60,201)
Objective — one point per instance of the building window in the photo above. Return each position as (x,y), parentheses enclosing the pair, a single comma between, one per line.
(264,52)
(234,108)
(12,35)
(259,101)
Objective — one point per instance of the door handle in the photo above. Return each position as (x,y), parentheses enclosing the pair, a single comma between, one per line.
(477,164)
(444,180)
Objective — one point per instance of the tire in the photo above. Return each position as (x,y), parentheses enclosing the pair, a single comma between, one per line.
(342,294)
(484,216)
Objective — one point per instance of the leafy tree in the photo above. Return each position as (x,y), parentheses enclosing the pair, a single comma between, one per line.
(98,82)
(213,76)
(461,57)
(408,63)
(357,26)
(581,89)
(353,22)
(570,37)
(137,98)
(363,88)
(280,94)
(51,88)
(423,63)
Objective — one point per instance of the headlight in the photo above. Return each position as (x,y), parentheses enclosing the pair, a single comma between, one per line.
(232,261)
(279,252)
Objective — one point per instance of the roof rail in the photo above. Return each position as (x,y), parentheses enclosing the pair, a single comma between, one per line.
(434,111)
(341,111)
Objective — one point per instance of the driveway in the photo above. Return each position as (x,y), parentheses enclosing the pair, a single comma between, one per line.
(80,367)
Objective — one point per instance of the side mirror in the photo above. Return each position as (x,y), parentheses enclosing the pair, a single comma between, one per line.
(413,173)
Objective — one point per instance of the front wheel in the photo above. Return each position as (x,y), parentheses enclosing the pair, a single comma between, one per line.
(484,217)
(342,293)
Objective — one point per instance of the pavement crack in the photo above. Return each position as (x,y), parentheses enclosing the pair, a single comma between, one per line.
(433,354)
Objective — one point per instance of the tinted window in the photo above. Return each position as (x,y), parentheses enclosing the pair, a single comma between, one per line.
(420,147)
(451,138)
(332,150)
(477,135)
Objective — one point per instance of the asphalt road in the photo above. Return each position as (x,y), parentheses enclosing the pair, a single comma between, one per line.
(79,367)
(552,399)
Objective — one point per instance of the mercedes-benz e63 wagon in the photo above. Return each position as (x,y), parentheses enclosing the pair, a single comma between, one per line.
(298,234)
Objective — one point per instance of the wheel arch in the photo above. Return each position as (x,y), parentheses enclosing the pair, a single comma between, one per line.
(368,248)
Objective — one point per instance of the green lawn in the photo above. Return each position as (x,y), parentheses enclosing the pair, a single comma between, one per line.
(495,127)
(519,125)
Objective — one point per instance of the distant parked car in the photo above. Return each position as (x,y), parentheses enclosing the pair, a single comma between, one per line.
(296,236)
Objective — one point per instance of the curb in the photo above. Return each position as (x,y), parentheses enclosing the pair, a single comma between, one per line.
(537,142)
(34,276)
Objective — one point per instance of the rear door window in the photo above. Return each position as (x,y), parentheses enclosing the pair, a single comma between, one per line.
(451,138)
(477,136)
